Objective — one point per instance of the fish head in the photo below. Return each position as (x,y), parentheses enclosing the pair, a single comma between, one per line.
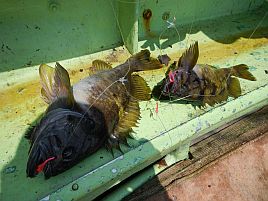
(62,139)
(175,82)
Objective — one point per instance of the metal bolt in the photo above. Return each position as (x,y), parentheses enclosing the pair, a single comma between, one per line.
(53,5)
(165,16)
(75,187)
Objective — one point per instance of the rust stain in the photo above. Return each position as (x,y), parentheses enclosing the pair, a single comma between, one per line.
(147,15)
(18,99)
(17,94)
(161,163)
(213,51)
(15,99)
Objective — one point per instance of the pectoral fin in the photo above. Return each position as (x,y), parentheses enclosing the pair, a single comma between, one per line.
(211,100)
(55,84)
(128,119)
(139,88)
(234,87)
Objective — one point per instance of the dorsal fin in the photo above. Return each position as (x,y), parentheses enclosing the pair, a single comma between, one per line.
(189,58)
(55,84)
(139,88)
(99,65)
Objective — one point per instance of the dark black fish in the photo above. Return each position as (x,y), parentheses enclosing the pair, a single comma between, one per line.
(99,110)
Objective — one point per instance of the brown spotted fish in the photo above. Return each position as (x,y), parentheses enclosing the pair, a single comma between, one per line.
(98,111)
(188,80)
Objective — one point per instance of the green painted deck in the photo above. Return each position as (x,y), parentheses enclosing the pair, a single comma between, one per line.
(73,37)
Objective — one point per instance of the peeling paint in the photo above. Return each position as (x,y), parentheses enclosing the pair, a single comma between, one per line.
(11,169)
(198,126)
(47,198)
(114,170)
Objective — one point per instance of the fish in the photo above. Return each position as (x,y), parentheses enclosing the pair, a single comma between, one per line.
(98,111)
(185,79)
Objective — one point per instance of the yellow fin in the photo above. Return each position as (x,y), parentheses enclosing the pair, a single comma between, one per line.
(55,83)
(128,119)
(234,87)
(99,65)
(211,100)
(241,71)
(139,88)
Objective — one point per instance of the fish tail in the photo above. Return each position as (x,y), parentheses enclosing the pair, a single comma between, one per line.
(143,62)
(234,88)
(241,71)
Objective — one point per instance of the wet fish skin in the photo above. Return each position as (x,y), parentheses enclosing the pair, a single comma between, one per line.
(62,133)
(97,111)
(191,81)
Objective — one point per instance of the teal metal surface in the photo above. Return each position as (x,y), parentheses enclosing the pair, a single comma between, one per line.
(34,32)
(240,38)
(128,24)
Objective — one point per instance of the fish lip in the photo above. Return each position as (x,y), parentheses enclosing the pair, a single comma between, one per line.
(33,160)
(37,155)
(47,170)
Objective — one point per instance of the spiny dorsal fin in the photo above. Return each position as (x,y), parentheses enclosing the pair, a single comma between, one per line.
(189,57)
(99,65)
(128,119)
(55,84)
(139,88)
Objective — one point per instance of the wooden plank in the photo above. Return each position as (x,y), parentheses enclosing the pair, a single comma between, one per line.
(207,151)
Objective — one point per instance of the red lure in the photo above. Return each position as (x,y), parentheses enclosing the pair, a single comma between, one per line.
(156,108)
(171,77)
(42,165)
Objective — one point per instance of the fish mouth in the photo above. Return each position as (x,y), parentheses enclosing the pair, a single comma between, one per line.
(40,159)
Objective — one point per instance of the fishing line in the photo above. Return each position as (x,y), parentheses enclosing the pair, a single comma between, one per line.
(251,35)
(121,80)
(258,25)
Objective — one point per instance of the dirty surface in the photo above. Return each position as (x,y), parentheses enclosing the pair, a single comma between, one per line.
(21,106)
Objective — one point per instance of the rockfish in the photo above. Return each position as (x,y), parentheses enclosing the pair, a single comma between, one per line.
(98,111)
(188,80)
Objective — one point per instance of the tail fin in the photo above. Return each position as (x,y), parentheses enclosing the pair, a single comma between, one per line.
(234,88)
(241,71)
(142,62)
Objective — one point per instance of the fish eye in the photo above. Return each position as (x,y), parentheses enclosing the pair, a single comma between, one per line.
(67,153)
